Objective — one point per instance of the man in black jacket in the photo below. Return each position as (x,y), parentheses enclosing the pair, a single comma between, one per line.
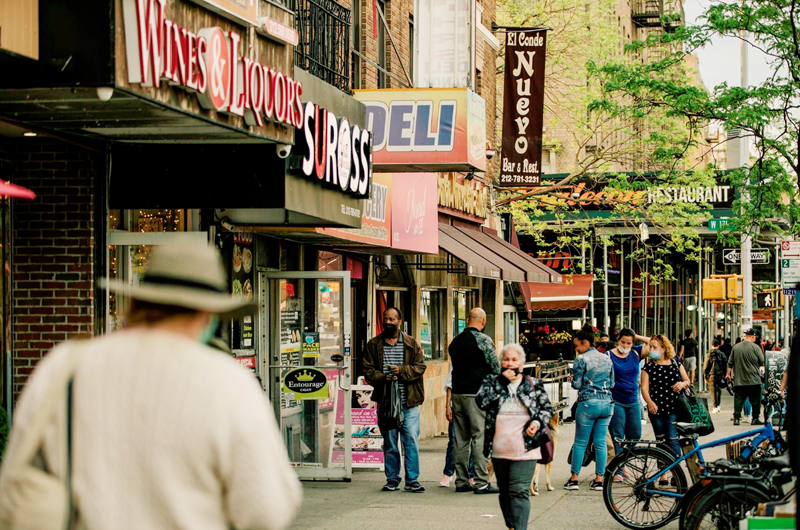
(474,357)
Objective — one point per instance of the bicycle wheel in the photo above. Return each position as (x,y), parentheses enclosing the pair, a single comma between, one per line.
(635,507)
(695,492)
(724,506)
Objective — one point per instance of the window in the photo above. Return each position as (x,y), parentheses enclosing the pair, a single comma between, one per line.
(463,301)
(478,81)
(355,67)
(433,332)
(381,45)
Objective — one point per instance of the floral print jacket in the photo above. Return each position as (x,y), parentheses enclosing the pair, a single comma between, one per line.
(494,392)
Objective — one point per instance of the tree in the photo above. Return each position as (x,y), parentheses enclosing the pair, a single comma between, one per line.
(766,113)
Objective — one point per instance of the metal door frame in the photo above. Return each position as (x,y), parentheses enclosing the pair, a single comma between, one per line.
(271,343)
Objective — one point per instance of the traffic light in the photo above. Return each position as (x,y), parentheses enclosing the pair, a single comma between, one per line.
(766,300)
(723,289)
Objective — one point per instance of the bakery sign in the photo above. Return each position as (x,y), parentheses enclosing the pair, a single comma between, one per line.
(209,64)
(330,150)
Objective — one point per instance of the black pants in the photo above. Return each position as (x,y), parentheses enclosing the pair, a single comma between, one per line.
(514,480)
(741,393)
(714,381)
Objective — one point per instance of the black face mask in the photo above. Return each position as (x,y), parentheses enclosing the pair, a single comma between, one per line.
(389,329)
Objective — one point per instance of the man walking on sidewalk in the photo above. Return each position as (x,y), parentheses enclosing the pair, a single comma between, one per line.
(688,353)
(390,355)
(473,357)
(745,360)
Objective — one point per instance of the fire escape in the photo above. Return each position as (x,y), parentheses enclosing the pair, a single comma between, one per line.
(323,50)
(649,14)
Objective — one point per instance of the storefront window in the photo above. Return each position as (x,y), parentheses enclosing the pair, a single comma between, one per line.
(128,262)
(463,301)
(432,323)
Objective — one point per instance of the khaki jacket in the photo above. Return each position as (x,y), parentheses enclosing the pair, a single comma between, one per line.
(411,371)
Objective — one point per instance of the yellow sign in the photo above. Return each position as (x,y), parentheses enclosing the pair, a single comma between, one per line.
(463,196)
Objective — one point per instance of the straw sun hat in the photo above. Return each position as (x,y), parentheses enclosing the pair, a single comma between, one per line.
(188,276)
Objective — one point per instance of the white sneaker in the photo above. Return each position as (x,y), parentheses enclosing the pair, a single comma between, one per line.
(747,419)
(715,410)
(644,422)
(445,482)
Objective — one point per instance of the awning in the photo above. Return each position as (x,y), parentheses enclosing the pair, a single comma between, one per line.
(471,245)
(12,190)
(572,294)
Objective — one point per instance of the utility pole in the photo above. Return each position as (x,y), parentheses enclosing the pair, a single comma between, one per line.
(747,243)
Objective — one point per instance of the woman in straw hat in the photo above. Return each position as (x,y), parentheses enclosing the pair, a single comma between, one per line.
(166,433)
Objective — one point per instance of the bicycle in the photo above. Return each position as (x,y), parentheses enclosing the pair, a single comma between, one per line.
(653,484)
(730,498)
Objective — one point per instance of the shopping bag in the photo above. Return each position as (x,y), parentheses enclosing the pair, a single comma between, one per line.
(588,456)
(547,447)
(693,409)
(390,410)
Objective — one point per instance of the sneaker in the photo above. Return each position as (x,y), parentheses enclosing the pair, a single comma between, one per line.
(445,482)
(391,486)
(486,490)
(736,421)
(596,485)
(618,478)
(644,422)
(464,489)
(415,488)
(756,422)
(715,410)
(572,485)
(748,419)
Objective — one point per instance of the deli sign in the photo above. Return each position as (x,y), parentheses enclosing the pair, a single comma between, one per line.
(209,64)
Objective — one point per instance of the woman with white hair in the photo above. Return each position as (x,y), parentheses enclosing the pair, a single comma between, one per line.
(517,407)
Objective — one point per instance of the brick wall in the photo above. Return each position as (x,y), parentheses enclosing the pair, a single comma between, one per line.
(53,249)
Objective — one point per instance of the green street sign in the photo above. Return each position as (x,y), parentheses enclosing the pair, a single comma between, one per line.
(718,224)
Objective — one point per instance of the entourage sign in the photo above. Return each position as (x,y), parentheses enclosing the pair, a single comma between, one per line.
(523,108)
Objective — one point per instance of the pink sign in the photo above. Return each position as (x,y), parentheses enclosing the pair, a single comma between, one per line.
(414,212)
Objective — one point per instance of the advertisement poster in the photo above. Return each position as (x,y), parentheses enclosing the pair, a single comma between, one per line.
(775,365)
(366,439)
(305,383)
(242,287)
(310,345)
(523,108)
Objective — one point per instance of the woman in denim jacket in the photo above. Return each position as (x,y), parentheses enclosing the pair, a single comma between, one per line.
(593,378)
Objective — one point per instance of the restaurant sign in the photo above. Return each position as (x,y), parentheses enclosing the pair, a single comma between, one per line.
(461,195)
(209,64)
(426,129)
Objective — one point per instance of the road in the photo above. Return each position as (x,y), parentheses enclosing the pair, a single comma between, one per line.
(361,504)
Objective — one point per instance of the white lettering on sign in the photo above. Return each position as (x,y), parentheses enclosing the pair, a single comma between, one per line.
(208,63)
(274,29)
(345,164)
(685,194)
(376,204)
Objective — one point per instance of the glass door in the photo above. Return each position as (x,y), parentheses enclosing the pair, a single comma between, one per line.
(306,323)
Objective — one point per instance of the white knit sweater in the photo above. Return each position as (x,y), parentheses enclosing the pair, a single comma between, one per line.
(167,434)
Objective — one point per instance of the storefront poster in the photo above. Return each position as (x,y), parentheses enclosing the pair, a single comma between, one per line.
(310,345)
(366,438)
(242,288)
(305,383)
(376,219)
(426,129)
(415,213)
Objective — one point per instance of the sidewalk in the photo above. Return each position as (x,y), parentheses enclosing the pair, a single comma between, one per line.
(361,504)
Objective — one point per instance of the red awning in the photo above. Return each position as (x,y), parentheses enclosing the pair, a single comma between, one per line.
(12,190)
(572,294)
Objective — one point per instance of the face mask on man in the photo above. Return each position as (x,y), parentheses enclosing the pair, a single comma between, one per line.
(210,331)
(623,350)
(389,329)
(655,355)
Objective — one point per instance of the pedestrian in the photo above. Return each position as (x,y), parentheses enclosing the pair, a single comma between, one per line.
(593,378)
(450,456)
(726,347)
(663,381)
(473,357)
(516,407)
(626,422)
(714,373)
(389,356)
(688,353)
(743,365)
(164,431)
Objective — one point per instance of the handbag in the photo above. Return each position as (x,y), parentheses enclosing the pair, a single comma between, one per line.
(693,409)
(547,448)
(542,436)
(31,497)
(588,456)
(390,411)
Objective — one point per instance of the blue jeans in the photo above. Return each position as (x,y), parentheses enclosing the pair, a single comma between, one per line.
(626,423)
(450,456)
(666,429)
(748,407)
(591,420)
(409,437)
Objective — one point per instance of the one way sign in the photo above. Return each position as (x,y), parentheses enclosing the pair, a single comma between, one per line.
(758,256)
